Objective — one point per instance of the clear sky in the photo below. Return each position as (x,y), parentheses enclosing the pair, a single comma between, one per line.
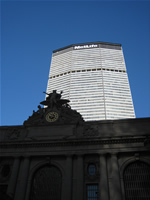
(31,30)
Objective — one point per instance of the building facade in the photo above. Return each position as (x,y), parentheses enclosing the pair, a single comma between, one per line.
(107,160)
(93,77)
(56,155)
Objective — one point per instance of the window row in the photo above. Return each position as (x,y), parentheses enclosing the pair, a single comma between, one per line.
(86,70)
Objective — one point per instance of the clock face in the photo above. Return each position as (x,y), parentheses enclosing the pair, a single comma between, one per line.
(51,116)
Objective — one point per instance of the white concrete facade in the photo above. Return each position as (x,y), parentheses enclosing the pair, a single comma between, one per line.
(93,77)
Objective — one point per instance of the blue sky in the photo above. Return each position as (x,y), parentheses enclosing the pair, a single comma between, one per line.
(31,30)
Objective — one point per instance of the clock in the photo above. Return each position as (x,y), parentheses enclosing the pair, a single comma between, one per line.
(51,116)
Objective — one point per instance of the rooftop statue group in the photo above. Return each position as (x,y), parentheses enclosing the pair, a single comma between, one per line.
(54,105)
(54,100)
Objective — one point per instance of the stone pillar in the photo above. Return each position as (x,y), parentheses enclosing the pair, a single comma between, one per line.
(22,181)
(104,190)
(74,181)
(115,187)
(68,178)
(13,178)
(80,175)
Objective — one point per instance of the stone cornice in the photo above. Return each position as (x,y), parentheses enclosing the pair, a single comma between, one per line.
(76,142)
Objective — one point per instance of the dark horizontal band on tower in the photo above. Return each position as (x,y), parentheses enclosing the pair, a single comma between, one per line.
(84,70)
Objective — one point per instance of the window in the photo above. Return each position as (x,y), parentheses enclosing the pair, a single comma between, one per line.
(5,170)
(3,191)
(137,181)
(46,184)
(92,170)
(92,192)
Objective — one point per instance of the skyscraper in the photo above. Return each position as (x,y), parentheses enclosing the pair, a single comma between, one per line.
(93,77)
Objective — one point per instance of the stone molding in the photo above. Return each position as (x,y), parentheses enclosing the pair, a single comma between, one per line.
(72,142)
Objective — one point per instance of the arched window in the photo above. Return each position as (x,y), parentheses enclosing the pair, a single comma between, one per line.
(92,169)
(46,184)
(137,181)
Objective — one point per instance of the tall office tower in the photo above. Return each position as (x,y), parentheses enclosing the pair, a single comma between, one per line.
(93,77)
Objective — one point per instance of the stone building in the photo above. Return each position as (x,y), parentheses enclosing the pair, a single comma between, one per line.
(56,155)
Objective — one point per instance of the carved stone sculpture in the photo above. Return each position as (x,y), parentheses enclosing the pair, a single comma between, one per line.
(56,110)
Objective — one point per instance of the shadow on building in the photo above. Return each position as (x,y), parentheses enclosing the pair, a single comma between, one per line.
(56,155)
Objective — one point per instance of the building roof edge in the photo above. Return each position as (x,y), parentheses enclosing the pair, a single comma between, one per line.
(72,45)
